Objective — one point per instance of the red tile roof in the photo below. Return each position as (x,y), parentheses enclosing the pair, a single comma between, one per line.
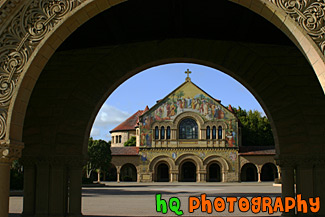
(131,122)
(128,124)
(125,151)
(256,150)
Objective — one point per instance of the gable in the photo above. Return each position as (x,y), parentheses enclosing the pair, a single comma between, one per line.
(188,97)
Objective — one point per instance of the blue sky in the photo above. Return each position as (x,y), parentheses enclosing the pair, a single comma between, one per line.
(150,85)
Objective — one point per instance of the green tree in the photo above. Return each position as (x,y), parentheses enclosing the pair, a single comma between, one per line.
(256,129)
(99,153)
(131,142)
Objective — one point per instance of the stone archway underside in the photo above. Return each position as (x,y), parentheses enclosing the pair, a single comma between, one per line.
(54,116)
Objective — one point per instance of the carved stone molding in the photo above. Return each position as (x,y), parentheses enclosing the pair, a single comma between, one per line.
(309,14)
(19,39)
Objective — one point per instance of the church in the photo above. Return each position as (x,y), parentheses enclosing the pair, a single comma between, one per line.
(188,136)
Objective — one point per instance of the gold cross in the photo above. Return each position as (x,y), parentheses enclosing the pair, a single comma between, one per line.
(188,72)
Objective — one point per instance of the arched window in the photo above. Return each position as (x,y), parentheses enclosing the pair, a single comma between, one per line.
(220,132)
(208,132)
(168,132)
(116,139)
(120,139)
(156,133)
(214,132)
(162,133)
(188,129)
(112,139)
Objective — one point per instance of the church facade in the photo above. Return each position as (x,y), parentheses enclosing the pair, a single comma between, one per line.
(188,136)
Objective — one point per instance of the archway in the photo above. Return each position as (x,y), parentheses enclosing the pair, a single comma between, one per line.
(128,173)
(214,173)
(269,172)
(249,173)
(188,172)
(162,173)
(69,111)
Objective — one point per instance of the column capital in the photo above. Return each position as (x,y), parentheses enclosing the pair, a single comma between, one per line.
(10,150)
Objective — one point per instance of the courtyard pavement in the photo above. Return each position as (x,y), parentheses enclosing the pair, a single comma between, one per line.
(138,199)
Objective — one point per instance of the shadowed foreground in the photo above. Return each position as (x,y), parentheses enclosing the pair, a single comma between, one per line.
(136,199)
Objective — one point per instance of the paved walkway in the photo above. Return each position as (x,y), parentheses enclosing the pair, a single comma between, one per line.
(138,199)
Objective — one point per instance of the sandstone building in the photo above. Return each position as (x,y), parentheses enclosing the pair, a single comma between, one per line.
(188,136)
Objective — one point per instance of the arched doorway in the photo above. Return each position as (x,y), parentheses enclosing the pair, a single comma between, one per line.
(269,172)
(249,173)
(162,173)
(214,173)
(188,172)
(128,173)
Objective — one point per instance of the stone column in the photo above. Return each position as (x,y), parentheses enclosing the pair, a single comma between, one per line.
(173,134)
(198,177)
(8,153)
(42,188)
(4,186)
(138,175)
(58,189)
(319,177)
(279,173)
(174,175)
(75,177)
(29,187)
(259,176)
(118,171)
(223,176)
(203,176)
(288,190)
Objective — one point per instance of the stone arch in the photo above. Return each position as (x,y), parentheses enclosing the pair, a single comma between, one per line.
(164,158)
(275,13)
(249,172)
(129,172)
(269,172)
(188,170)
(192,115)
(162,172)
(189,157)
(225,166)
(214,172)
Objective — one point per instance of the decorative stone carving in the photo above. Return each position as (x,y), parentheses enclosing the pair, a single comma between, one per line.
(19,39)
(309,14)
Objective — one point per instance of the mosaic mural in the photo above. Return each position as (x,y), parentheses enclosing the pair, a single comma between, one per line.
(188,97)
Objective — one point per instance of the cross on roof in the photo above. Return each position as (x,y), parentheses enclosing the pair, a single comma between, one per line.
(188,72)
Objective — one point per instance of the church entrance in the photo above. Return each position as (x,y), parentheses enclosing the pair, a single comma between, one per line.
(249,173)
(188,172)
(128,173)
(214,174)
(162,173)
(269,172)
